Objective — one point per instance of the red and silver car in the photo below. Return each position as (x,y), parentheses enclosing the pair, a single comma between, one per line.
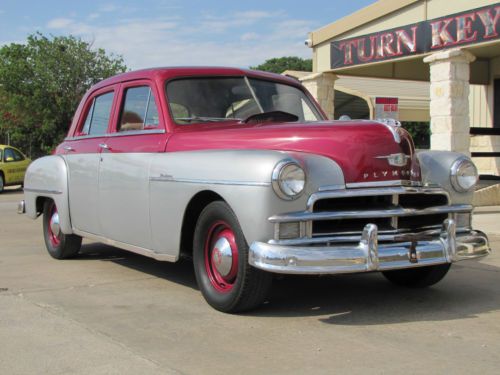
(241,171)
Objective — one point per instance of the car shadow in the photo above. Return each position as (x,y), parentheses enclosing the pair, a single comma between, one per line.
(469,289)
(180,272)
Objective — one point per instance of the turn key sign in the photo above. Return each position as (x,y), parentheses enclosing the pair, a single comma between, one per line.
(471,27)
(386,108)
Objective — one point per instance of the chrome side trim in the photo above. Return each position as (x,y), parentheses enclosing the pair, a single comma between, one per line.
(374,184)
(168,178)
(338,215)
(332,187)
(42,191)
(118,134)
(128,247)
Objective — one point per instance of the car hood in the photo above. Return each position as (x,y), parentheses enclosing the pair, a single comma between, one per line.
(361,148)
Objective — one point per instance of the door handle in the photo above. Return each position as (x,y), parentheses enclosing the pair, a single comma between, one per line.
(104,146)
(68,148)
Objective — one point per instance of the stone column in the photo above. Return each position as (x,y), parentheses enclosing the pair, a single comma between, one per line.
(449,107)
(321,85)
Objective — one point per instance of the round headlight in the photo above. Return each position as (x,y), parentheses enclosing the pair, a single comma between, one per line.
(464,175)
(289,179)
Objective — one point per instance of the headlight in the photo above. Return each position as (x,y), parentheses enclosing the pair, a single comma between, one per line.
(463,175)
(288,179)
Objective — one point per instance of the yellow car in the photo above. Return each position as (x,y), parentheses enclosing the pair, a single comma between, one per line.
(13,165)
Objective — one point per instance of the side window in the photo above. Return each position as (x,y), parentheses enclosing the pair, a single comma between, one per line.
(139,110)
(17,155)
(12,155)
(96,122)
(1,156)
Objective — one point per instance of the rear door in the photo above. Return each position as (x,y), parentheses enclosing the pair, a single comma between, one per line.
(82,153)
(137,133)
(15,166)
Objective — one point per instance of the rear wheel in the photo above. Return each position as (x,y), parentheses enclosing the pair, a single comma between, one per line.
(220,257)
(1,182)
(418,277)
(58,244)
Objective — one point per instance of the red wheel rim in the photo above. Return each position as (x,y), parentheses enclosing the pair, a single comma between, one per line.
(54,236)
(221,257)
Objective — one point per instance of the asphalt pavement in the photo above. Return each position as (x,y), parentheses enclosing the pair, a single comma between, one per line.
(113,312)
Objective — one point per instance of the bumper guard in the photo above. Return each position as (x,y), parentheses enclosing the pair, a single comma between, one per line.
(369,255)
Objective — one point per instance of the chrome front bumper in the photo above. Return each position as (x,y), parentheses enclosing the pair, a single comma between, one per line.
(369,255)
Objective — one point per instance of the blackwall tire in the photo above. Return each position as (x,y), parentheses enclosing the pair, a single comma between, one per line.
(2,182)
(421,277)
(58,244)
(220,256)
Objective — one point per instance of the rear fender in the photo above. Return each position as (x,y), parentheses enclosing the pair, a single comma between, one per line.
(47,177)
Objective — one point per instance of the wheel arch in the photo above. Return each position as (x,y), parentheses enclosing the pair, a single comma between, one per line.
(191,214)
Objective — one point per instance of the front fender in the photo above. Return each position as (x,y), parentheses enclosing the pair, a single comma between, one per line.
(241,177)
(47,177)
(436,170)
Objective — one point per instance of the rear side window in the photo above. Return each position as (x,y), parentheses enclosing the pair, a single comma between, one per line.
(13,155)
(139,110)
(96,122)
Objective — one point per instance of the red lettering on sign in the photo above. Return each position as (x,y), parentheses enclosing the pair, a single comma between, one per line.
(489,23)
(385,45)
(362,56)
(402,38)
(464,28)
(440,34)
(347,47)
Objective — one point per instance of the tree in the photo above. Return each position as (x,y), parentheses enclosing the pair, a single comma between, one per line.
(41,84)
(280,64)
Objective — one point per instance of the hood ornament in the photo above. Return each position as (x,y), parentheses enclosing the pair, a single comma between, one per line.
(396,160)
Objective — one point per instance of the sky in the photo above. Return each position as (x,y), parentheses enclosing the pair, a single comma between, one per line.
(152,33)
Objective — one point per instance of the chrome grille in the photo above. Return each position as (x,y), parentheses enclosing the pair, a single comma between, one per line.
(380,209)
(342,214)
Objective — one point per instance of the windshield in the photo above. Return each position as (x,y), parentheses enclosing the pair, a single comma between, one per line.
(234,98)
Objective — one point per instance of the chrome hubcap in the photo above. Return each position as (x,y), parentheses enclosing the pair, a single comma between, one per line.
(54,224)
(222,256)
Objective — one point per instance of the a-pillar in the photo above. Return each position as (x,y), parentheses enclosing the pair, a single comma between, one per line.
(321,87)
(449,107)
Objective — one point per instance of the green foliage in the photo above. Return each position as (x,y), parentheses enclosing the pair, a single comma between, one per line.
(420,132)
(41,84)
(280,64)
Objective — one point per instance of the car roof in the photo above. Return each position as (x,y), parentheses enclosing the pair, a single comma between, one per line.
(2,147)
(164,73)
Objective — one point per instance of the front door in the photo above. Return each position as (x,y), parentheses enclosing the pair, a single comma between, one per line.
(138,132)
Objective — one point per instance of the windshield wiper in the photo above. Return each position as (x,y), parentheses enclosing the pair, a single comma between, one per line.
(206,119)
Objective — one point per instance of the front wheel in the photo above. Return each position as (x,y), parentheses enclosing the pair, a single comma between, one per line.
(418,277)
(58,244)
(1,182)
(220,256)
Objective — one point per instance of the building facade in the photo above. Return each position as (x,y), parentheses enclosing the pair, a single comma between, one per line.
(454,46)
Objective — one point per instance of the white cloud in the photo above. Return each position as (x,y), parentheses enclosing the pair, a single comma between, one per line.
(249,36)
(59,23)
(108,8)
(173,41)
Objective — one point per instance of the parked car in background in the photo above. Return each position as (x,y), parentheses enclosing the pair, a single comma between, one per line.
(13,165)
(242,172)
